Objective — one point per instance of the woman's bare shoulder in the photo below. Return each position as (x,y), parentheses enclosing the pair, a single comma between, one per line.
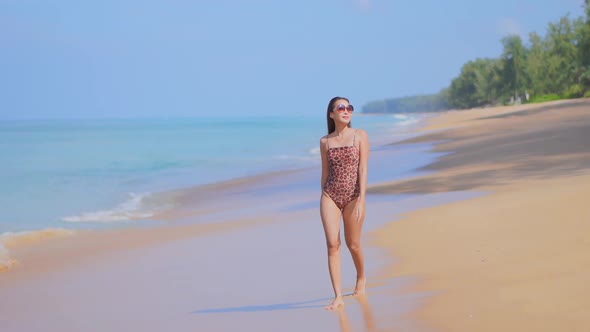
(362,133)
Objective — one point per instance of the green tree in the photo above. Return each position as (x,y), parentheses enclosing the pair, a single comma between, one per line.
(514,65)
(478,84)
(562,56)
(583,33)
(535,65)
(584,42)
(550,67)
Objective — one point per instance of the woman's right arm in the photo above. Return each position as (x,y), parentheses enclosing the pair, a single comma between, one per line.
(325,166)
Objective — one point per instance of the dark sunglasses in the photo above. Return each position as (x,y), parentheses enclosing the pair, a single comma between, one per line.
(341,108)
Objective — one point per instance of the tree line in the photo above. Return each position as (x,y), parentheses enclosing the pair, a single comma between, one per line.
(554,66)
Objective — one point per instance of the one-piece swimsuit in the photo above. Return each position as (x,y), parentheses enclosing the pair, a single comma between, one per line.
(342,185)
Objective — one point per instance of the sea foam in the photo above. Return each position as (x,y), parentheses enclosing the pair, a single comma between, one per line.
(131,209)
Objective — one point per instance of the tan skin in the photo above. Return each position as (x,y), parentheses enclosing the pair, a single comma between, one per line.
(353,214)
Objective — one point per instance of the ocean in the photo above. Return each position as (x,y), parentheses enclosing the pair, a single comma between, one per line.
(88,174)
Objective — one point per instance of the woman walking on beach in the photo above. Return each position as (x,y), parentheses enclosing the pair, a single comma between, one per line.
(345,155)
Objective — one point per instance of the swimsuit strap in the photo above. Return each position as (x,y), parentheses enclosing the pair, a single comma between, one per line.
(328,139)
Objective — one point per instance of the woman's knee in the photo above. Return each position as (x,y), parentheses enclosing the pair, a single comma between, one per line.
(334,247)
(353,245)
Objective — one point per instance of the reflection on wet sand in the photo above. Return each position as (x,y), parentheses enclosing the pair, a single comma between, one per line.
(343,320)
(367,313)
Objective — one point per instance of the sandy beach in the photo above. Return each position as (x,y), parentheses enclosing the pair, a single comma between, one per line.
(517,258)
(490,235)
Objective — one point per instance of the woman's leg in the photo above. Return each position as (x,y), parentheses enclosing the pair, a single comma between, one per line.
(331,217)
(352,235)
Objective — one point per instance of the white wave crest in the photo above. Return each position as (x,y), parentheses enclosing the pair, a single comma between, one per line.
(407,122)
(128,210)
(400,116)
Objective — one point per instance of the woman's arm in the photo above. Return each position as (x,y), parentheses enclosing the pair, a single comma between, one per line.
(364,149)
(325,166)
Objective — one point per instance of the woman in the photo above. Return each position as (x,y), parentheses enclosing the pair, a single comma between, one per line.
(345,155)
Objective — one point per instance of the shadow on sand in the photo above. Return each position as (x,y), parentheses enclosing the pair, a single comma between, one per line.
(343,319)
(318,303)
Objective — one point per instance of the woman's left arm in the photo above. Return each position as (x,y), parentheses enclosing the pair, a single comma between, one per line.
(364,151)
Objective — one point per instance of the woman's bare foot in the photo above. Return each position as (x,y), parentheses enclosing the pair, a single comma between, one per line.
(335,304)
(360,287)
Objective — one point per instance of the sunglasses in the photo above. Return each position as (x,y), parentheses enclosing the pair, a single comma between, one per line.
(341,108)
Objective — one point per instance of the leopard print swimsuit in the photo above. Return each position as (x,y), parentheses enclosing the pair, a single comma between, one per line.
(342,185)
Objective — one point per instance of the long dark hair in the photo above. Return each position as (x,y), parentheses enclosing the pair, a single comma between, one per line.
(331,105)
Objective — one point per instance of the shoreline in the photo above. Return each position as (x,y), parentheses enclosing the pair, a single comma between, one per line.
(184,154)
(484,258)
(175,207)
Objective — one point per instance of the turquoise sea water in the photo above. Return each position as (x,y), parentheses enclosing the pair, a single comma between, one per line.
(92,173)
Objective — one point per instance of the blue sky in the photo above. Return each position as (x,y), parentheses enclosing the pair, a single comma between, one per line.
(148,58)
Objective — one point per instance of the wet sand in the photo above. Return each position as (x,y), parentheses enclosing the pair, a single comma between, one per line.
(264,276)
(517,258)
